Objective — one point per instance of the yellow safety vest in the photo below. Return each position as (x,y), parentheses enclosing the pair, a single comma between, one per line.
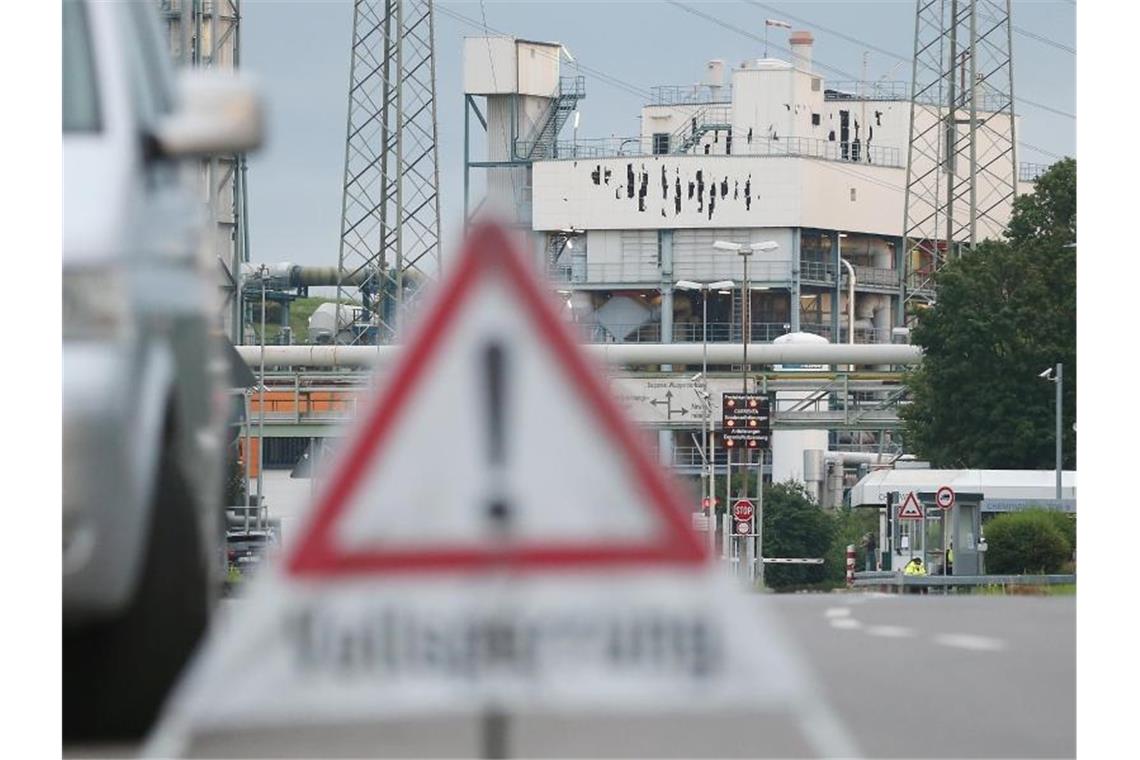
(914,569)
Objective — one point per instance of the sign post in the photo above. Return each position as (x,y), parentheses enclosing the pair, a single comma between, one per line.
(944,498)
(746,421)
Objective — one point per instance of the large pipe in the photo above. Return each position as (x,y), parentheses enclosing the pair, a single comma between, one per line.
(620,354)
(287,275)
(859,457)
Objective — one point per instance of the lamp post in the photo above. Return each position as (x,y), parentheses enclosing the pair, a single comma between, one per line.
(1056,376)
(745,251)
(710,491)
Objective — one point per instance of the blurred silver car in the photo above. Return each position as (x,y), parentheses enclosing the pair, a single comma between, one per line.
(143,400)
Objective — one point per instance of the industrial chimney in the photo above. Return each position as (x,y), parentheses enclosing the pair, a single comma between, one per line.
(801,41)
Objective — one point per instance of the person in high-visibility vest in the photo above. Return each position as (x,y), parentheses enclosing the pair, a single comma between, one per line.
(915,567)
(950,559)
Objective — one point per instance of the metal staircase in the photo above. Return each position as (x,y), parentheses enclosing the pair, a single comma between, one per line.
(708,119)
(542,142)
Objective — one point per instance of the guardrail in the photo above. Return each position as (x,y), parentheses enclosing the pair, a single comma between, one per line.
(824,271)
(793,147)
(1027,172)
(714,267)
(683,332)
(852,89)
(898,581)
(681,94)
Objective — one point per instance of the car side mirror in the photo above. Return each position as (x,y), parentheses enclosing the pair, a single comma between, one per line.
(216,114)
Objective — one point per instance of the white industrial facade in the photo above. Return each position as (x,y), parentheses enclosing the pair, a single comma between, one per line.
(764,151)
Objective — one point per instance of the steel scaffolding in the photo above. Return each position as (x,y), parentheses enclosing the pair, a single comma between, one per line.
(208,35)
(961,161)
(390,204)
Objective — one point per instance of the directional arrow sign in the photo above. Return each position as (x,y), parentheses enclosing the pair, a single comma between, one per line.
(545,567)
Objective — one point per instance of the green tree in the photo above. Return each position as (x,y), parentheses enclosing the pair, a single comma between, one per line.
(850,526)
(1025,542)
(1004,312)
(795,526)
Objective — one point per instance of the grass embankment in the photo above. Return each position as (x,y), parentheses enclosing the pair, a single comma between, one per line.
(299,312)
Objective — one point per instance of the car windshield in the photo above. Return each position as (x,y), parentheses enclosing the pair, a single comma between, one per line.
(80,94)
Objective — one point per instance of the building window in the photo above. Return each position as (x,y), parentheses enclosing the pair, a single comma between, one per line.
(815,84)
(660,143)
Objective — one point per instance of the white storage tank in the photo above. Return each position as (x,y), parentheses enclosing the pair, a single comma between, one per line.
(323,320)
(788,446)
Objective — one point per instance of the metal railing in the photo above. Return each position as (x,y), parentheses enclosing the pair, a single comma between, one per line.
(683,332)
(760,273)
(795,147)
(888,278)
(862,334)
(572,87)
(680,94)
(852,89)
(898,581)
(1027,172)
(821,271)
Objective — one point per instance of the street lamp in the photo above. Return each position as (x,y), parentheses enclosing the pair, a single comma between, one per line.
(1055,375)
(745,297)
(704,288)
(746,333)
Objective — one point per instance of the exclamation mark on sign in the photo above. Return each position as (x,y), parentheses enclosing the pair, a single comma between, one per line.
(494,369)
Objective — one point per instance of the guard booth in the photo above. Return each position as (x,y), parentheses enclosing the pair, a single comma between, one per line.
(927,536)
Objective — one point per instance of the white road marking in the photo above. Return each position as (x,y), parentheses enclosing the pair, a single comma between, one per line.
(846,623)
(969,641)
(891,631)
(837,612)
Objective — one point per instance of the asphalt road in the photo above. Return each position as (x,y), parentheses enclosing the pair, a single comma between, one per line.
(944,676)
(909,676)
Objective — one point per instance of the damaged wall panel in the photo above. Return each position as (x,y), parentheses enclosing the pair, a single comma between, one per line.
(675,192)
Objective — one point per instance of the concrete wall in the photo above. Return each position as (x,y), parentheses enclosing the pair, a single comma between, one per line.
(676,192)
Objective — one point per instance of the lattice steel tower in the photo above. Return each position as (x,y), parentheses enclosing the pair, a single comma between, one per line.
(961,161)
(390,207)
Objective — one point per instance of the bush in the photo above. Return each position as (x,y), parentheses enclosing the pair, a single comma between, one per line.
(795,526)
(1064,521)
(1026,542)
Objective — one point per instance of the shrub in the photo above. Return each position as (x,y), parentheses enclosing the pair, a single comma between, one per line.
(795,526)
(1026,542)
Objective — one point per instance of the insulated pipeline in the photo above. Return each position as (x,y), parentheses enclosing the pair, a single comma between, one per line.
(620,354)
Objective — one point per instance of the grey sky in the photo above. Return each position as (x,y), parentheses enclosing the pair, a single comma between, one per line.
(299,50)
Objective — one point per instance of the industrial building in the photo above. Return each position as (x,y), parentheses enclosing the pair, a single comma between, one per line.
(764,151)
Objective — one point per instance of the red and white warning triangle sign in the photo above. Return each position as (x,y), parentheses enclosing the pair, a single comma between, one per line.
(911,508)
(495,447)
(494,539)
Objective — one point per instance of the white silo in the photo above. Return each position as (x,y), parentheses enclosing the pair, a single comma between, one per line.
(520,79)
(788,446)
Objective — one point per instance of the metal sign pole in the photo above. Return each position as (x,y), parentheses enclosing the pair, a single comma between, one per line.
(727,533)
(760,520)
(750,539)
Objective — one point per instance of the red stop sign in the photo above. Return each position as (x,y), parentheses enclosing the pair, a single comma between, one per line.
(742,509)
